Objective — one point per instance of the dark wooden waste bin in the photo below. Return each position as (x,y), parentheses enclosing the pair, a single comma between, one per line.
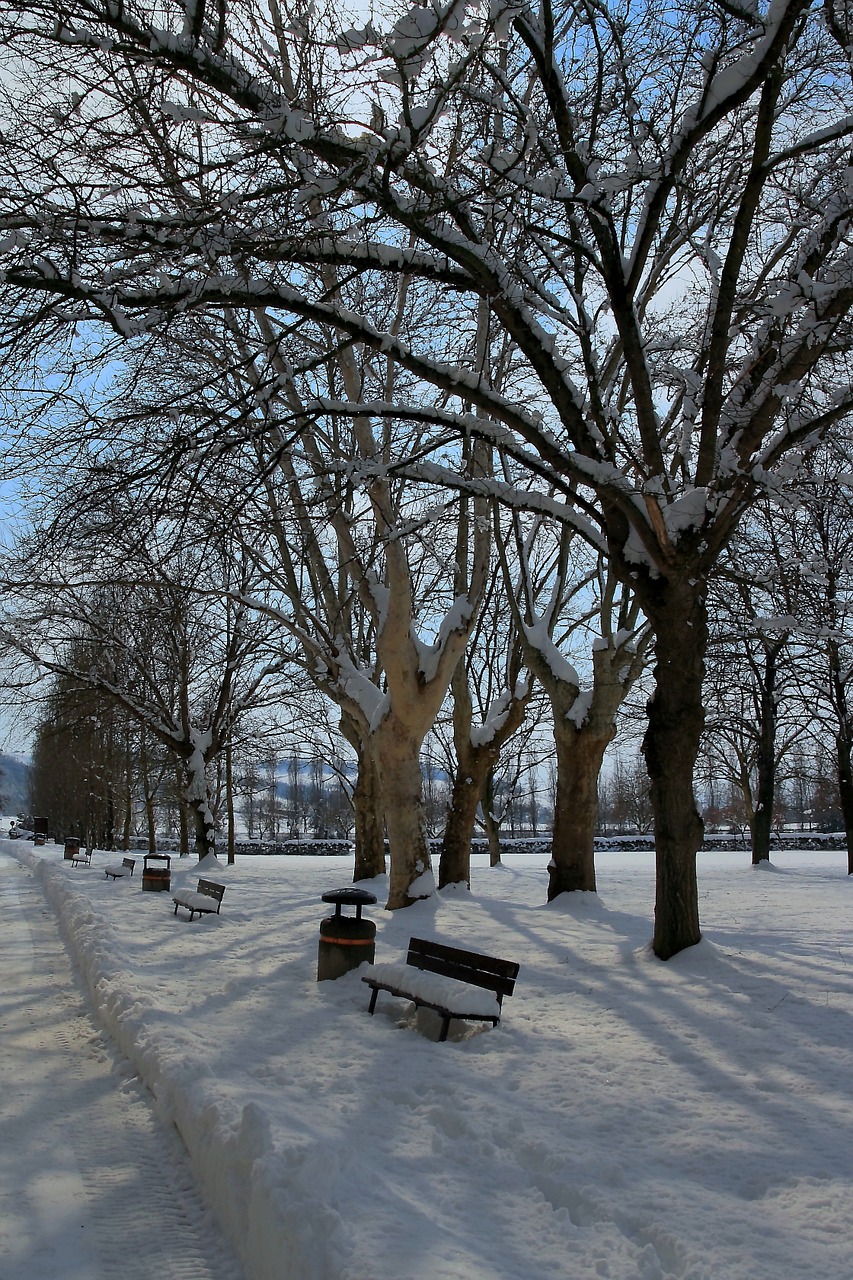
(72,847)
(157,872)
(345,941)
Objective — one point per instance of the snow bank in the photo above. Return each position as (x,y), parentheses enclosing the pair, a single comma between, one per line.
(626,1119)
(435,989)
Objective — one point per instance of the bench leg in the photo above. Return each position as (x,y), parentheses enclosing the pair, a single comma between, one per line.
(445,1027)
(374,993)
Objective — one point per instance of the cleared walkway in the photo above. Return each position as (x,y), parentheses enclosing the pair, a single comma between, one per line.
(92,1186)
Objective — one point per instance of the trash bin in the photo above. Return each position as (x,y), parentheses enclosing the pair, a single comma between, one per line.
(345,941)
(157,872)
(72,847)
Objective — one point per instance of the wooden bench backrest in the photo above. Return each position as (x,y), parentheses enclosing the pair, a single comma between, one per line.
(128,862)
(211,889)
(467,966)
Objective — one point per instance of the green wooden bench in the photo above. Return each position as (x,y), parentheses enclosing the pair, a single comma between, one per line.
(205,900)
(453,982)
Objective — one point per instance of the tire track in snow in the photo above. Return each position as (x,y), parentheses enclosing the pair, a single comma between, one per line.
(92,1185)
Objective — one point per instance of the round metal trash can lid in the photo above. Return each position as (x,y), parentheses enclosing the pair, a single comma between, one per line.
(350,897)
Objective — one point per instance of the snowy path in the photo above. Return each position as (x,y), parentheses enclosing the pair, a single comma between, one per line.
(91,1185)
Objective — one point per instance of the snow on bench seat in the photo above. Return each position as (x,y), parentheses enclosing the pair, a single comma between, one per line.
(456,983)
(434,990)
(205,900)
(116,870)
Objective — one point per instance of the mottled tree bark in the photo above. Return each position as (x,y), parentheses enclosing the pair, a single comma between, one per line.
(204,837)
(579,757)
(475,763)
(369,812)
(229,803)
(150,816)
(762,825)
(843,746)
(676,719)
(493,833)
(454,866)
(844,773)
(183,822)
(368,806)
(398,754)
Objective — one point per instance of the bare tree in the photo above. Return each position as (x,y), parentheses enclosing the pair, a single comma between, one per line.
(490,693)
(756,639)
(568,601)
(160,649)
(83,765)
(630,800)
(820,515)
(656,212)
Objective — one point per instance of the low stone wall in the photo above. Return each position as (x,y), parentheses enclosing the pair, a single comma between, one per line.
(785,840)
(538,846)
(294,848)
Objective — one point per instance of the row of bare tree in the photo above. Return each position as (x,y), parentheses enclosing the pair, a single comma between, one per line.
(392,304)
(779,639)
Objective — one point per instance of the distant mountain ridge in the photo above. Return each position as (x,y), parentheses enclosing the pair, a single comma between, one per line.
(14,783)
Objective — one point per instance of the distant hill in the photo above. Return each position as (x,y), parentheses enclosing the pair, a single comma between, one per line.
(14,784)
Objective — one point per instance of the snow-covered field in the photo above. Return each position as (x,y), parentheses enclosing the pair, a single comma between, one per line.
(628,1119)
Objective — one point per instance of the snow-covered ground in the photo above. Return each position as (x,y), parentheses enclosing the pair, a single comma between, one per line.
(628,1119)
(92,1187)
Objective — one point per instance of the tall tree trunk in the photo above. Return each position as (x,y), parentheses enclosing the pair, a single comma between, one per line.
(198,798)
(110,819)
(475,763)
(584,726)
(762,826)
(150,817)
(844,767)
(368,808)
(580,752)
(203,834)
(127,820)
(369,813)
(843,747)
(151,823)
(671,745)
(249,809)
(454,866)
(183,821)
(398,756)
(493,832)
(229,802)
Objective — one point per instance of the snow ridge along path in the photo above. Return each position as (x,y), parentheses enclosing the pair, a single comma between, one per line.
(626,1120)
(92,1185)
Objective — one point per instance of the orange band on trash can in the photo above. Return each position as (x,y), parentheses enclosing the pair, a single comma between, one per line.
(348,942)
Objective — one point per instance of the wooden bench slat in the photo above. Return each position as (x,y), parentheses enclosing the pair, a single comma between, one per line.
(489,972)
(206,889)
(117,873)
(470,959)
(471,968)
